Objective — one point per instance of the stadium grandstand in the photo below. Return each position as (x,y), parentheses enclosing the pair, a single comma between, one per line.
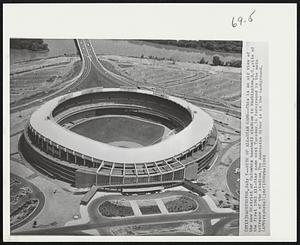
(50,145)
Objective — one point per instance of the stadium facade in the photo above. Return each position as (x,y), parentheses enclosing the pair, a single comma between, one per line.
(51,147)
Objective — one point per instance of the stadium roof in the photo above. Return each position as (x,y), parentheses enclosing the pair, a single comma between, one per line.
(195,132)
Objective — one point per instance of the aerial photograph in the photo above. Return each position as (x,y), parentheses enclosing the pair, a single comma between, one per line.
(125,137)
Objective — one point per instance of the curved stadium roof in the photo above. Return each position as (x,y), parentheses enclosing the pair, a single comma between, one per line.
(195,132)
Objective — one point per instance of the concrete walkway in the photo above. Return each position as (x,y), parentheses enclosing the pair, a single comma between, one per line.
(161,206)
(135,208)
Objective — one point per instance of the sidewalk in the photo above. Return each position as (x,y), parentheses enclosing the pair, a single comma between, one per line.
(161,206)
(135,208)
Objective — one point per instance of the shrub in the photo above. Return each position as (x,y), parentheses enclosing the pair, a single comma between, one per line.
(217,61)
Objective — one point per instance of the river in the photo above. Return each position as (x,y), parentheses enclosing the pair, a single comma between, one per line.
(57,47)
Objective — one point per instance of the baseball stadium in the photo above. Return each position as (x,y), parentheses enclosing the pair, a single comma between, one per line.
(117,138)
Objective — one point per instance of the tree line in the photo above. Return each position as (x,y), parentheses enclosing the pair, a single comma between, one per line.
(220,46)
(30,44)
(215,62)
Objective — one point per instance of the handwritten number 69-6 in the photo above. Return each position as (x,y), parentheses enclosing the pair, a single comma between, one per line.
(240,20)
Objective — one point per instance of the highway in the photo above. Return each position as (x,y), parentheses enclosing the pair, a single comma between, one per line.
(102,70)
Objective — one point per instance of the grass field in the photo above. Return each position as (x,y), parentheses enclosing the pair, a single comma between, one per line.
(127,131)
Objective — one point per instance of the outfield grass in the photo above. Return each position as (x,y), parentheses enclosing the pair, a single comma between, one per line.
(120,129)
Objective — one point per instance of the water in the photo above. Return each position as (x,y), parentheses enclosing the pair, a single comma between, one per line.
(138,48)
(118,47)
(56,47)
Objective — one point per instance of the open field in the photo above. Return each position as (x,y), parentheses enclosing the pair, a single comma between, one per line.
(213,82)
(120,129)
(33,79)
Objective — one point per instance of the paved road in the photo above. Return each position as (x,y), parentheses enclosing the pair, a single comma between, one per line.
(130,221)
(106,74)
(96,217)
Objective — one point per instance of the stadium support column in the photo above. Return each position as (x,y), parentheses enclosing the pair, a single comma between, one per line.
(50,148)
(46,148)
(123,181)
(112,167)
(148,180)
(75,158)
(183,167)
(159,171)
(84,162)
(59,151)
(40,142)
(136,173)
(100,166)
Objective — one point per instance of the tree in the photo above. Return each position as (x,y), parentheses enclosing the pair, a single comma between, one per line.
(217,61)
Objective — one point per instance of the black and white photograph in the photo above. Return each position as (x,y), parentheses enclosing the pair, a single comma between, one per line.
(125,137)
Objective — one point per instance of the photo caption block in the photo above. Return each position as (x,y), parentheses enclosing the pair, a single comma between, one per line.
(254,186)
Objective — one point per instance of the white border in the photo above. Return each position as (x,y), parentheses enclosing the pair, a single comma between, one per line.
(273,23)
